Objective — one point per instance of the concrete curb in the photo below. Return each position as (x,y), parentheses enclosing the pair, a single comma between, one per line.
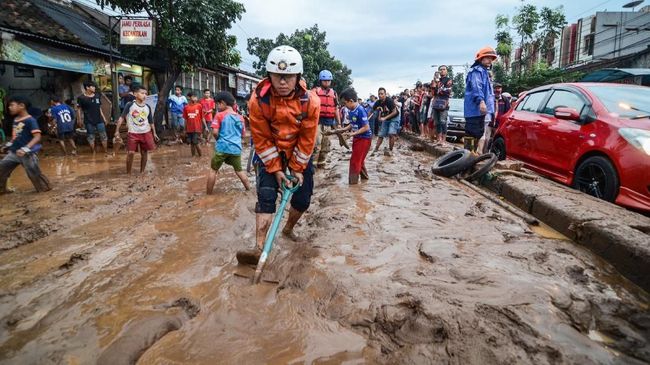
(619,236)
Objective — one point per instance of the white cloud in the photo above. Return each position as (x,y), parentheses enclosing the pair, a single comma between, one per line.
(387,43)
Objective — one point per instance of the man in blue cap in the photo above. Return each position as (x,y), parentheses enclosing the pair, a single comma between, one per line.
(329,118)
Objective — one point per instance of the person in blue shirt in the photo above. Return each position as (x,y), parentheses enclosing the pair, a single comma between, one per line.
(176,105)
(228,129)
(359,129)
(479,97)
(65,123)
(22,148)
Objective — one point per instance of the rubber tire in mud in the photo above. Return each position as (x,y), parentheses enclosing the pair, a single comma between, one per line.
(612,183)
(499,148)
(453,163)
(492,160)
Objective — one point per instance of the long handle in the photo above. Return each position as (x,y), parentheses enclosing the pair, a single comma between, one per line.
(270,237)
(251,154)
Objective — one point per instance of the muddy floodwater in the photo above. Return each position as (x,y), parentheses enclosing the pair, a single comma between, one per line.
(406,268)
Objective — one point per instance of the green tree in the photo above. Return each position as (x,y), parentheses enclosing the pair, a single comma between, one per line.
(537,75)
(552,21)
(190,33)
(458,79)
(504,39)
(500,73)
(525,23)
(458,88)
(312,45)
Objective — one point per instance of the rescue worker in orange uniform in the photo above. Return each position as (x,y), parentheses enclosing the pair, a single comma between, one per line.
(329,118)
(284,123)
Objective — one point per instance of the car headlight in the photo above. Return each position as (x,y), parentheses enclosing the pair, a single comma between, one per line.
(639,138)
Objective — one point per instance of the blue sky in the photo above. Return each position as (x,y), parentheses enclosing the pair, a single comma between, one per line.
(390,43)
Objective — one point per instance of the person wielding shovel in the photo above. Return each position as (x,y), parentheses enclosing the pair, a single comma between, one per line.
(284,124)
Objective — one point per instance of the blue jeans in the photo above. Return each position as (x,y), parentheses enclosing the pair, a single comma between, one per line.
(389,128)
(374,126)
(92,129)
(177,122)
(440,119)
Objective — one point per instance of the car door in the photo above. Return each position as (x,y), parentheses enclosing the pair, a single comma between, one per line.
(559,139)
(520,132)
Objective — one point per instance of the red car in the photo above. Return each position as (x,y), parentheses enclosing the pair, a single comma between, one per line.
(592,136)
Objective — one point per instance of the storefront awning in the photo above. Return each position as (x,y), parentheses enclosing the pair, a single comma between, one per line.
(29,53)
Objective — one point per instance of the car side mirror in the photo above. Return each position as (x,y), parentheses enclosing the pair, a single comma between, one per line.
(566,114)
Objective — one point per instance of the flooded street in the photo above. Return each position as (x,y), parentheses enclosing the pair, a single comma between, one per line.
(406,268)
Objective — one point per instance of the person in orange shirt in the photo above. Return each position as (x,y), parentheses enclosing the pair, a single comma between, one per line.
(193,115)
(209,106)
(284,124)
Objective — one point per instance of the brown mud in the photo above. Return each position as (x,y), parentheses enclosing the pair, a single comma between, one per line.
(406,268)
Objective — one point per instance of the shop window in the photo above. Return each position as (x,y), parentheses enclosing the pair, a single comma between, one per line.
(589,44)
(224,84)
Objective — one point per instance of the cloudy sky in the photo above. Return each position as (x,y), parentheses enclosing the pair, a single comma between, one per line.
(390,43)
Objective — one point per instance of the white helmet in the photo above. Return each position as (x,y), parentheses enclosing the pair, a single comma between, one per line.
(284,60)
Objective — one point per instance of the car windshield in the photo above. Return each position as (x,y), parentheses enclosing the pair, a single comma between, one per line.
(456,105)
(623,101)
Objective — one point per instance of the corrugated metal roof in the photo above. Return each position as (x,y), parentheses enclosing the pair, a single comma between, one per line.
(75,22)
(26,16)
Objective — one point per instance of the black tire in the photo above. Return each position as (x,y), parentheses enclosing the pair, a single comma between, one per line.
(453,163)
(491,159)
(597,176)
(499,148)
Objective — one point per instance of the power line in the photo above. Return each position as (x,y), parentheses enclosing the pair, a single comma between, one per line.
(590,9)
(633,45)
(623,23)
(626,21)
(93,4)
(243,30)
(619,36)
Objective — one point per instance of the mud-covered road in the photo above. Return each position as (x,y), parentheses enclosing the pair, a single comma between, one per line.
(406,268)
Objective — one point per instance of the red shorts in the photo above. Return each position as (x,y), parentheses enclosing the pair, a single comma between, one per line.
(144,140)
(360,148)
(432,124)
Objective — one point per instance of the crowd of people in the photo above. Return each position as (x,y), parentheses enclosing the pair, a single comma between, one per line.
(423,110)
(290,128)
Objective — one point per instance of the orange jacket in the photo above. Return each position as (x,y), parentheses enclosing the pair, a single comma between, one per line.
(283,124)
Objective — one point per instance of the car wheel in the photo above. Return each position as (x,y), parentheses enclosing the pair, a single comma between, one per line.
(453,163)
(597,176)
(499,148)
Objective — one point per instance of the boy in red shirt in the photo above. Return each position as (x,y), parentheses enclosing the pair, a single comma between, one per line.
(209,106)
(193,115)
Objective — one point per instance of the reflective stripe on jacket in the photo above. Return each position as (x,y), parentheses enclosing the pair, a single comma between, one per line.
(283,125)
